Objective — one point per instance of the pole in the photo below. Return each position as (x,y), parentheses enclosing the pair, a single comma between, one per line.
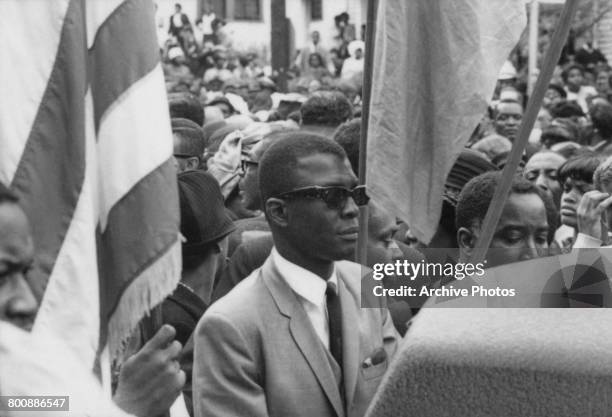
(362,243)
(533,106)
(534,14)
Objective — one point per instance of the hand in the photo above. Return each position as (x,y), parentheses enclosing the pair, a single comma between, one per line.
(589,213)
(151,380)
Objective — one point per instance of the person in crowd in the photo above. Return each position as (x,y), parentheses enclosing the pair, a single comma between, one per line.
(316,68)
(522,231)
(573,77)
(179,21)
(554,93)
(492,146)
(594,212)
(313,47)
(352,67)
(601,117)
(324,111)
(220,70)
(188,148)
(589,57)
(276,317)
(176,71)
(224,105)
(576,178)
(541,169)
(205,226)
(507,119)
(602,83)
(148,382)
(186,106)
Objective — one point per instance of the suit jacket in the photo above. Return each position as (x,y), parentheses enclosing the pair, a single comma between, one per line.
(257,354)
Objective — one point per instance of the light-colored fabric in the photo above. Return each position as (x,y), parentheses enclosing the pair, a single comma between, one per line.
(581,96)
(37,365)
(311,291)
(501,362)
(256,353)
(435,69)
(585,241)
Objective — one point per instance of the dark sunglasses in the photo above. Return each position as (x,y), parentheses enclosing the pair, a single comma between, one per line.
(334,196)
(244,165)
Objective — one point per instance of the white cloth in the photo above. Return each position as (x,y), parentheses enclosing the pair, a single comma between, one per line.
(177,20)
(310,289)
(581,96)
(33,364)
(351,68)
(584,241)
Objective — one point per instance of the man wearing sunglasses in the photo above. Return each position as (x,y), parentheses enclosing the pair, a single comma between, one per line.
(292,338)
(188,148)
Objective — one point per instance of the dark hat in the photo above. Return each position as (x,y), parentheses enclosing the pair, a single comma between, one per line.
(203,216)
(469,164)
(192,132)
(559,89)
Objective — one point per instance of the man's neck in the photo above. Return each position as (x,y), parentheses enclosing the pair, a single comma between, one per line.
(320,268)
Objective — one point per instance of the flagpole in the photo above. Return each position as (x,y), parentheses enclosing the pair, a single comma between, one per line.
(533,107)
(362,243)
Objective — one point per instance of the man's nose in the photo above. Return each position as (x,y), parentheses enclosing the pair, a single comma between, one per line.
(530,251)
(22,305)
(351,210)
(542,182)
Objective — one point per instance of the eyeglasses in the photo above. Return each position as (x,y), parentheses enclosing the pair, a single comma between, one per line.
(244,165)
(334,196)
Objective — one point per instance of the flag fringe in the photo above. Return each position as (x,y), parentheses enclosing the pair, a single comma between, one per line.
(149,289)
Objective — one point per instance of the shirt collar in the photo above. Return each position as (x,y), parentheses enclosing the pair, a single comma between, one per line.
(305,283)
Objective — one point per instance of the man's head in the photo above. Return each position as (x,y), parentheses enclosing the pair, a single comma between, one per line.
(348,136)
(204,222)
(602,180)
(382,226)
(186,106)
(522,232)
(177,7)
(573,77)
(188,144)
(541,169)
(303,180)
(249,183)
(507,119)
(224,105)
(17,303)
(576,178)
(326,108)
(601,116)
(316,37)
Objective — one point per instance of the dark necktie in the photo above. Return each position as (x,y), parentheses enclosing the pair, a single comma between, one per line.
(335,322)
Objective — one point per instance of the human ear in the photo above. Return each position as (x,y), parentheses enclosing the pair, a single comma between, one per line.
(193,163)
(276,211)
(466,240)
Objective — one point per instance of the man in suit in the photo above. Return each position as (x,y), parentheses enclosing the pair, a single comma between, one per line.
(280,343)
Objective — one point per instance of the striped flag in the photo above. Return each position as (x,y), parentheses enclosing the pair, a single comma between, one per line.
(85,141)
(435,68)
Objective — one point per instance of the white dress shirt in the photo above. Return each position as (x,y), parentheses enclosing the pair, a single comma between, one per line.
(310,289)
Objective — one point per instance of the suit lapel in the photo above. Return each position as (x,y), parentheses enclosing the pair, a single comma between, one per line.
(350,340)
(303,333)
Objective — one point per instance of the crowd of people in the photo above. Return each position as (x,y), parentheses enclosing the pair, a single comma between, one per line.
(266,319)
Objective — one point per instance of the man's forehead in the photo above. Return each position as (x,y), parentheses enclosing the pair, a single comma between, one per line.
(509,107)
(324,168)
(547,160)
(15,237)
(523,210)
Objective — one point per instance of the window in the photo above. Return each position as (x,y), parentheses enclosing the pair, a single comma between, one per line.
(247,9)
(316,9)
(216,6)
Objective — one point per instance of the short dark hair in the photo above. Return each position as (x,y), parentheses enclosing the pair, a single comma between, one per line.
(326,108)
(186,106)
(566,70)
(601,116)
(348,136)
(280,160)
(565,108)
(476,196)
(580,167)
(6,195)
(559,89)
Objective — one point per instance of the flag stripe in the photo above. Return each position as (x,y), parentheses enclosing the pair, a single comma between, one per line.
(23,80)
(133,139)
(124,50)
(52,168)
(150,213)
